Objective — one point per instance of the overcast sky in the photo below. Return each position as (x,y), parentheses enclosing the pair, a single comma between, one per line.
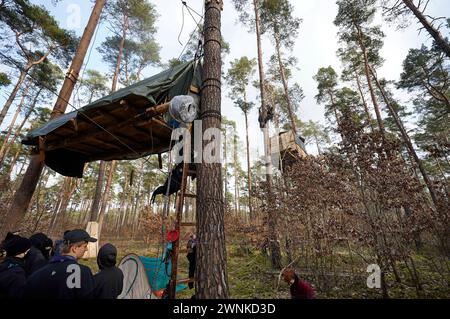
(314,48)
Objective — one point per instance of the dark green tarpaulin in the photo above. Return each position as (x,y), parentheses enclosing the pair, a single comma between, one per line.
(69,160)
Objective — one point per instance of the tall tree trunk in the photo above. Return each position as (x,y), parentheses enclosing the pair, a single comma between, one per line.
(361,93)
(96,201)
(225,169)
(105,200)
(137,199)
(274,245)
(249,175)
(276,122)
(25,192)
(369,82)
(13,94)
(68,188)
(211,270)
(407,141)
(316,139)
(14,160)
(96,206)
(119,55)
(13,121)
(437,36)
(292,116)
(19,129)
(236,186)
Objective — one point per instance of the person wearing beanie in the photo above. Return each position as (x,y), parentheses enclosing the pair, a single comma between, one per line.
(39,253)
(63,277)
(42,242)
(12,271)
(109,281)
(9,235)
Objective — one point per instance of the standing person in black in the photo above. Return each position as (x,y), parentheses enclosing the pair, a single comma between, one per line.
(63,277)
(109,281)
(12,271)
(39,253)
(191,250)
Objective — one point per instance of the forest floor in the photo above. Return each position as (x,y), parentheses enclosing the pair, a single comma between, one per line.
(250,276)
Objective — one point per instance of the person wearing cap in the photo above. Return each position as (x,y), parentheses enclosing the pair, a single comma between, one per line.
(39,253)
(63,277)
(12,271)
(109,281)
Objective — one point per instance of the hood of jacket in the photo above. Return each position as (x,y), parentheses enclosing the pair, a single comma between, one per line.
(107,256)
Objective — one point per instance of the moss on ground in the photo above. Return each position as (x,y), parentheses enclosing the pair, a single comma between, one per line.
(250,275)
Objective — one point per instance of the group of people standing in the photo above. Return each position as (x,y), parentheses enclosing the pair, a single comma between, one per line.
(34,268)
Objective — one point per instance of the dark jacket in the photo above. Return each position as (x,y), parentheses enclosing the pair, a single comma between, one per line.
(34,261)
(109,281)
(12,278)
(301,289)
(52,281)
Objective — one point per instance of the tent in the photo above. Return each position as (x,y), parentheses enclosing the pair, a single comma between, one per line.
(127,124)
(144,277)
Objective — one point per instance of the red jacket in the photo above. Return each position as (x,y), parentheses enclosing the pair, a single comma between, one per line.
(301,289)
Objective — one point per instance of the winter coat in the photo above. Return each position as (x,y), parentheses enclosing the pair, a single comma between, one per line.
(12,278)
(34,260)
(301,289)
(109,281)
(61,278)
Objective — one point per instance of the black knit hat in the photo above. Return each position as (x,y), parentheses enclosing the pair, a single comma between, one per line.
(17,245)
(41,241)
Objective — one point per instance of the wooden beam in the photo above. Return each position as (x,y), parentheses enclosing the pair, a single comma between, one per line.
(194,89)
(126,151)
(188,224)
(97,140)
(74,124)
(185,280)
(100,132)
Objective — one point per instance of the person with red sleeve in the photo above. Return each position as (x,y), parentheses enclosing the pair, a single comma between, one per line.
(299,289)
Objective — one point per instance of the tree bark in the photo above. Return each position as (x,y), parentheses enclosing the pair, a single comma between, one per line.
(119,55)
(236,183)
(274,245)
(14,160)
(249,175)
(105,200)
(437,36)
(13,121)
(13,94)
(369,82)
(23,195)
(366,108)
(98,192)
(292,116)
(225,169)
(96,206)
(211,270)
(19,129)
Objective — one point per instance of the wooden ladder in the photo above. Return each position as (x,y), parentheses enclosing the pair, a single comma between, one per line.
(178,224)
